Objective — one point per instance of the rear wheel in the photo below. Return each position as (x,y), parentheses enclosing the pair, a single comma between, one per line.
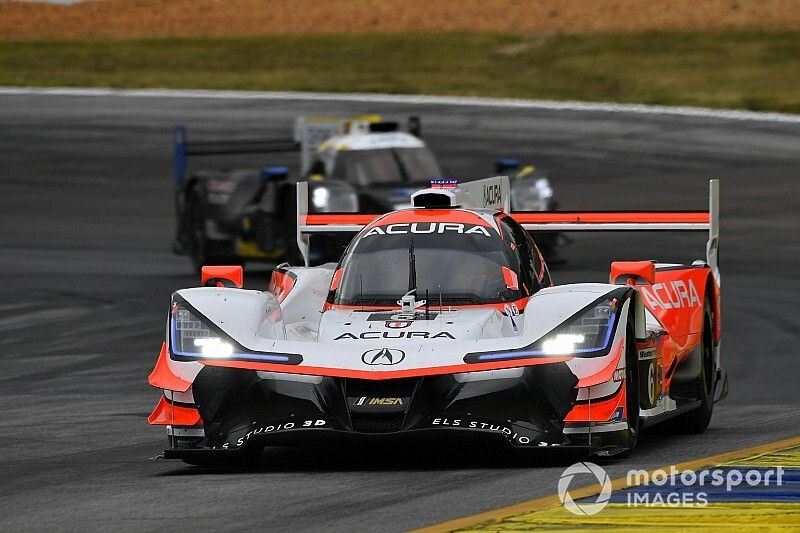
(702,387)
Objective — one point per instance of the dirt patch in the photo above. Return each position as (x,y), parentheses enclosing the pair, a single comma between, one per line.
(151,18)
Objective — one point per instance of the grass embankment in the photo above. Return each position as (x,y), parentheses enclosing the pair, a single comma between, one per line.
(736,69)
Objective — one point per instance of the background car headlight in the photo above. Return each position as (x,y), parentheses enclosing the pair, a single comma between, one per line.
(333,196)
(321,198)
(531,194)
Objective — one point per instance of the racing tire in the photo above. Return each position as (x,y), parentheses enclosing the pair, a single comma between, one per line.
(702,388)
(631,389)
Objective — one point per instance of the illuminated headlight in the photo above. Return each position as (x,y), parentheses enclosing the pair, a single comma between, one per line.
(588,333)
(214,347)
(563,343)
(193,337)
(321,198)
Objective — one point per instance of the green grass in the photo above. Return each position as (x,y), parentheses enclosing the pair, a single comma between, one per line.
(736,69)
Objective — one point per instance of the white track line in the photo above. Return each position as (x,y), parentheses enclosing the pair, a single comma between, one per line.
(410,99)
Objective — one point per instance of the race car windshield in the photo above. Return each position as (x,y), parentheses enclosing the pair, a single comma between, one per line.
(386,165)
(463,263)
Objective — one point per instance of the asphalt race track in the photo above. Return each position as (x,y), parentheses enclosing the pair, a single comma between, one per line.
(86,269)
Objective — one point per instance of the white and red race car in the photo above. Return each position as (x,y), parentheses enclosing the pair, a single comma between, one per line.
(442,318)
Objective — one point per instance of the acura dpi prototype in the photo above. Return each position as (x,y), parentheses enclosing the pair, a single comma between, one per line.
(442,318)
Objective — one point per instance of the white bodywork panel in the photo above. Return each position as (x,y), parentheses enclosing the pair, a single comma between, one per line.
(254,320)
(372,141)
(302,308)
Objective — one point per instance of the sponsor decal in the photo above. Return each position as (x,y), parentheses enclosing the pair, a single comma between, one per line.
(395,335)
(383,357)
(398,324)
(366,400)
(273,428)
(647,353)
(494,427)
(444,184)
(492,195)
(673,295)
(403,228)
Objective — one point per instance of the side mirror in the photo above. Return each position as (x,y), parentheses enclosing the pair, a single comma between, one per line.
(633,272)
(274,173)
(222,276)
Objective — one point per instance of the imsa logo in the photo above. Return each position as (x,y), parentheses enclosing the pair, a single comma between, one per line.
(365,400)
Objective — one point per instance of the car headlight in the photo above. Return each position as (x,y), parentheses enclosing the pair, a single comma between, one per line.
(192,337)
(529,194)
(588,333)
(321,198)
(333,196)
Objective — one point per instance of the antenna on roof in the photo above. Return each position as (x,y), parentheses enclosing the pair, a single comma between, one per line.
(412,268)
(427,306)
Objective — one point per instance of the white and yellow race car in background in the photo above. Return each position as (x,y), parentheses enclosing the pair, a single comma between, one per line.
(364,164)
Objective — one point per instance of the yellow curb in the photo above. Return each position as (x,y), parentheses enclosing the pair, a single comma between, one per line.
(617,484)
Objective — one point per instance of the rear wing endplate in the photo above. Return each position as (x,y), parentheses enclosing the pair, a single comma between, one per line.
(705,220)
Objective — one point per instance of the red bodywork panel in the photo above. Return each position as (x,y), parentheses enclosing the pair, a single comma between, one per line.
(638,272)
(281,283)
(162,376)
(167,414)
(387,374)
(597,411)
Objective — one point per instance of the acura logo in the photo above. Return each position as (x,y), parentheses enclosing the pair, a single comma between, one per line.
(383,356)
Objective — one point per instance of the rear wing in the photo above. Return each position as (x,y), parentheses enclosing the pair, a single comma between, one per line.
(183,149)
(495,193)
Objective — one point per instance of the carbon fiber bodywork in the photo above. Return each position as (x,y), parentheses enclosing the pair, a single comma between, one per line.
(247,410)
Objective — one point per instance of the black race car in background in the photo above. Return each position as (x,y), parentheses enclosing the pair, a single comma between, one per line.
(354,165)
